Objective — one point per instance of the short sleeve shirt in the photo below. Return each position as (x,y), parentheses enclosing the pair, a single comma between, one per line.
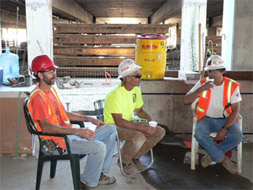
(122,101)
(215,109)
(39,108)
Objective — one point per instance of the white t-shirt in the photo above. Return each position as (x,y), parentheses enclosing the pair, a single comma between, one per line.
(215,109)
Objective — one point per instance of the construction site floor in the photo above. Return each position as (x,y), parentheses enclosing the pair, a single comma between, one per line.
(167,172)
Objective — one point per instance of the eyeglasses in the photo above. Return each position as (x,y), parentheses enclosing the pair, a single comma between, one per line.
(49,71)
(136,76)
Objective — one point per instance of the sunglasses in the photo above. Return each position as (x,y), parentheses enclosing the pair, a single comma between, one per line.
(136,76)
(49,71)
(210,71)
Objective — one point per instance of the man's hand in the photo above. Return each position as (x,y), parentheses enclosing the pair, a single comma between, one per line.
(221,134)
(98,123)
(147,129)
(207,85)
(86,133)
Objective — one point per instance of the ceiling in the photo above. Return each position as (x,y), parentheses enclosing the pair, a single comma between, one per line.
(116,8)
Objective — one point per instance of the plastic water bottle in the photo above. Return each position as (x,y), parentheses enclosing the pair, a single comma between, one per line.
(10,64)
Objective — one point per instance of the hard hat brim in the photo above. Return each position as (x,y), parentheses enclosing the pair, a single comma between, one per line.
(128,73)
(214,68)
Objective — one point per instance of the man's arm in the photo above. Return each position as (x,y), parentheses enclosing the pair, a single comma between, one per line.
(50,128)
(119,121)
(77,117)
(143,114)
(230,121)
(191,96)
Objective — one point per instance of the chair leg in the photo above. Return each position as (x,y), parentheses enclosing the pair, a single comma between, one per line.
(239,158)
(39,171)
(194,146)
(53,168)
(121,163)
(75,168)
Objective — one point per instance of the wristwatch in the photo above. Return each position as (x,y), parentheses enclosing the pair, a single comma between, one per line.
(225,127)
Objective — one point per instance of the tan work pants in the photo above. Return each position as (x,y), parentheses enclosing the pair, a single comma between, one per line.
(137,143)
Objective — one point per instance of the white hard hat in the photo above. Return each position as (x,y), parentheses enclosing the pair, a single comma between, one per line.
(215,62)
(127,67)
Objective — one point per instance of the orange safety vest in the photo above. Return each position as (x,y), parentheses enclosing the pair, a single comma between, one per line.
(51,112)
(205,96)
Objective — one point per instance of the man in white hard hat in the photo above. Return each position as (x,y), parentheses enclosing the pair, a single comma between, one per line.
(217,111)
(120,104)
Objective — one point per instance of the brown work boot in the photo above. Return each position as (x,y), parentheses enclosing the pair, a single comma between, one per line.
(128,168)
(229,165)
(106,180)
(206,160)
(138,164)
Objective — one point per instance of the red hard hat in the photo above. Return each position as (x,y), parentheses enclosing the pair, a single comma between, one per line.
(42,63)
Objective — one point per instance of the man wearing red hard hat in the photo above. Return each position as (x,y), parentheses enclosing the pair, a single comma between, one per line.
(217,111)
(50,116)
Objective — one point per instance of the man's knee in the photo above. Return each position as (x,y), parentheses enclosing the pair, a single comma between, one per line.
(160,132)
(100,148)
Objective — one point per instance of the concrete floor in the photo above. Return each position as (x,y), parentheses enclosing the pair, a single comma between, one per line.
(168,172)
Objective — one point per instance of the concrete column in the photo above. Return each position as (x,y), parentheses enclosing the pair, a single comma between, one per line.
(242,57)
(193,14)
(228,31)
(39,28)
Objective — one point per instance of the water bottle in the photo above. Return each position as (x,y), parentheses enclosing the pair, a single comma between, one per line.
(10,64)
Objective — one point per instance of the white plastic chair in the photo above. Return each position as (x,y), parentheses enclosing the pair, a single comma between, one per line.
(195,144)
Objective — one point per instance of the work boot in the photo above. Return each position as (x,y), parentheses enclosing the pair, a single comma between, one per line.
(128,168)
(106,180)
(229,165)
(138,164)
(206,160)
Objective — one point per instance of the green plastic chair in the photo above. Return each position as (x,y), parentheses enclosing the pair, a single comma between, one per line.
(43,157)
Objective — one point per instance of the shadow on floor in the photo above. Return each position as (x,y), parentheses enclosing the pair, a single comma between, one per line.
(169,172)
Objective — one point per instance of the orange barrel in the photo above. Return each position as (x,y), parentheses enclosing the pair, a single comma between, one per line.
(151,55)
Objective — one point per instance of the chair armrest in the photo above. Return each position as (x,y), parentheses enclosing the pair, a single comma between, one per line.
(194,105)
(80,123)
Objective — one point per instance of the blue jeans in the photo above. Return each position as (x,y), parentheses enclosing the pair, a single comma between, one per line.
(207,125)
(99,152)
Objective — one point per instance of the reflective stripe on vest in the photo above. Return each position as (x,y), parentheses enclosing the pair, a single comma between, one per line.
(204,99)
(52,115)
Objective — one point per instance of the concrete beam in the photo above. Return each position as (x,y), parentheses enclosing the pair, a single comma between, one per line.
(72,9)
(9,20)
(169,9)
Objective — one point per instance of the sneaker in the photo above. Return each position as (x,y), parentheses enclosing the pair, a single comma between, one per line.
(128,168)
(229,165)
(138,164)
(106,180)
(206,160)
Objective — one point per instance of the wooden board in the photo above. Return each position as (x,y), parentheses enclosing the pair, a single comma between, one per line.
(67,61)
(110,28)
(215,39)
(112,51)
(93,39)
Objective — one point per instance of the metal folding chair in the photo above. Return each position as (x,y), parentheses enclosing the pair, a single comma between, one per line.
(99,108)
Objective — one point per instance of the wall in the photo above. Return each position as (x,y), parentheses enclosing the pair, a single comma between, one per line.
(8,128)
(164,101)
